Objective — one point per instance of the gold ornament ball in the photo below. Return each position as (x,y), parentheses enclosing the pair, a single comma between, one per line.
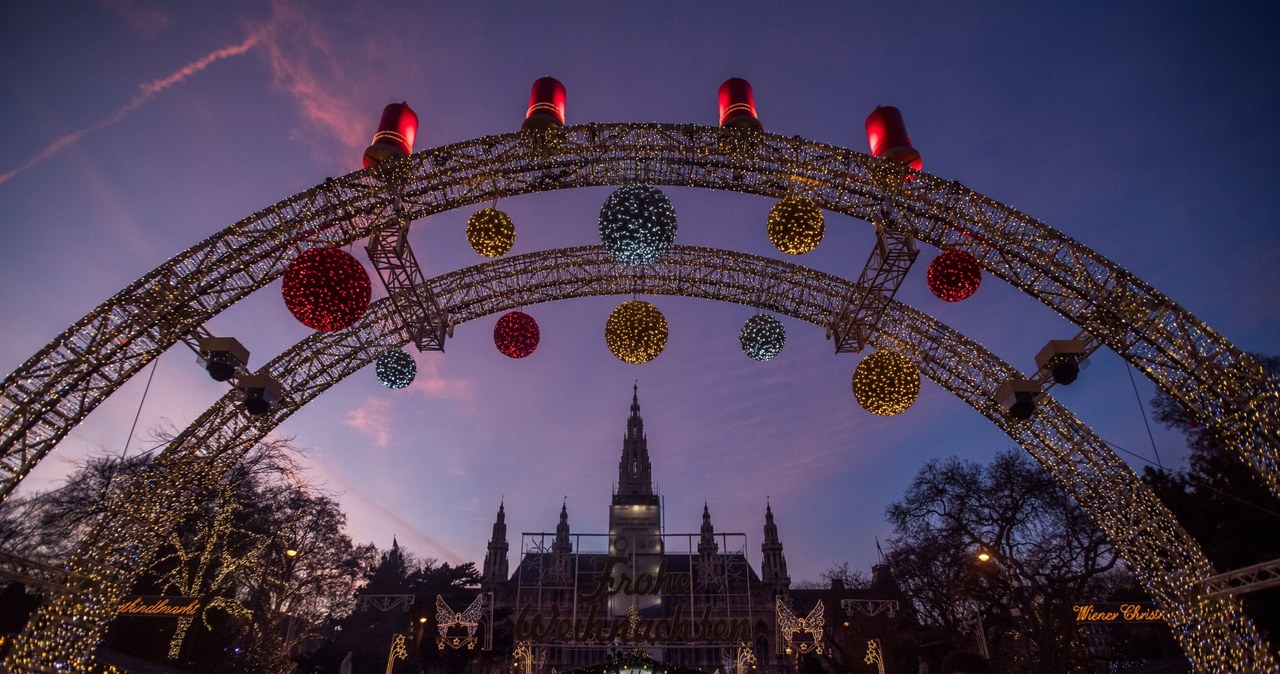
(490,232)
(636,332)
(795,225)
(886,383)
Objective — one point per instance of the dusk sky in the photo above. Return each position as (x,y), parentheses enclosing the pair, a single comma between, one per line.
(135,128)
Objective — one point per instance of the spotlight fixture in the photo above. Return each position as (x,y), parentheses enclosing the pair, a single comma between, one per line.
(223,357)
(261,393)
(1063,358)
(1017,397)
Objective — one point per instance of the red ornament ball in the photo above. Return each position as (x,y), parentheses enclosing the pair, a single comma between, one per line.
(954,275)
(516,334)
(326,289)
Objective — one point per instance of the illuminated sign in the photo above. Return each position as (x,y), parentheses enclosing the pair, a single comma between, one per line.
(159,607)
(561,625)
(634,599)
(1131,612)
(554,626)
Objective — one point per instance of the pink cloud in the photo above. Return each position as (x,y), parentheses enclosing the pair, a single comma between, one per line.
(302,58)
(430,383)
(372,419)
(146,91)
(368,515)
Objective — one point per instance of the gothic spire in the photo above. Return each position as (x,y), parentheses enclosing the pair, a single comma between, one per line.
(635,473)
(562,543)
(707,545)
(773,567)
(495,560)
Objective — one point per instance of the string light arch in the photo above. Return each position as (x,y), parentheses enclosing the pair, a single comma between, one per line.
(1213,631)
(1219,385)
(59,385)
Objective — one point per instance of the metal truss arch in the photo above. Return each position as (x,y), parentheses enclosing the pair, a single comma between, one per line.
(1226,389)
(1213,631)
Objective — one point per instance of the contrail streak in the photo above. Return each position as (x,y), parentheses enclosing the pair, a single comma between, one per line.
(146,91)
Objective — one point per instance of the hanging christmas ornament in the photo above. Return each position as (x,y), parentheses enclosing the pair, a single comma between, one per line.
(490,232)
(636,332)
(637,224)
(954,275)
(886,383)
(326,289)
(795,225)
(516,334)
(395,369)
(762,337)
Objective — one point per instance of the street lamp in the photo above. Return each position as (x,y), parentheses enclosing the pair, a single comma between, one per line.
(1014,581)
(1015,610)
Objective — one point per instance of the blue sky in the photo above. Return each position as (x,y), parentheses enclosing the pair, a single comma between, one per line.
(135,128)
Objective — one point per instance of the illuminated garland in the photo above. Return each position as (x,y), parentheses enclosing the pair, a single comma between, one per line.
(762,337)
(326,289)
(886,383)
(795,225)
(395,369)
(516,334)
(490,232)
(954,275)
(636,332)
(637,224)
(791,626)
(469,620)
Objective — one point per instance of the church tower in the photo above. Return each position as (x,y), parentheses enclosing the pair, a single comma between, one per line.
(710,566)
(562,549)
(635,473)
(773,566)
(635,516)
(495,560)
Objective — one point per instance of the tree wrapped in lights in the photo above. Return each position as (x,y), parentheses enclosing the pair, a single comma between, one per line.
(886,383)
(490,232)
(636,332)
(516,334)
(796,225)
(326,289)
(954,275)
(762,337)
(395,369)
(637,224)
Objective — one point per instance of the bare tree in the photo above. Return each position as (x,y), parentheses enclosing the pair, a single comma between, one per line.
(1042,552)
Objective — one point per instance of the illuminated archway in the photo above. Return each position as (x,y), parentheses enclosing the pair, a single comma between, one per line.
(1214,632)
(1222,387)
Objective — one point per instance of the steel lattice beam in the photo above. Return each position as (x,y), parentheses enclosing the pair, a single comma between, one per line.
(1213,631)
(1249,579)
(891,258)
(384,602)
(1225,389)
(870,607)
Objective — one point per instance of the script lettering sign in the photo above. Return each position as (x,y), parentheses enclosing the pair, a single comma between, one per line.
(1129,612)
(159,607)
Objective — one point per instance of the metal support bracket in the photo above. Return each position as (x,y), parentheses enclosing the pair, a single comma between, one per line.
(891,258)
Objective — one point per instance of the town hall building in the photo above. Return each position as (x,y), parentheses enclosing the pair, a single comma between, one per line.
(687,600)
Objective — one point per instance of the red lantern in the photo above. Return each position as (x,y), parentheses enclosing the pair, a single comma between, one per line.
(326,289)
(546,104)
(516,334)
(887,135)
(954,275)
(738,105)
(395,136)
